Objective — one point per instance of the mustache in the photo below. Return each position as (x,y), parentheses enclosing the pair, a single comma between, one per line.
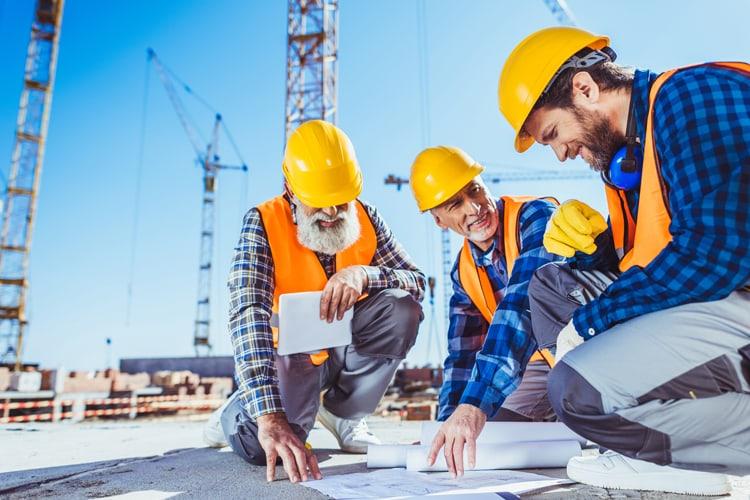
(324,218)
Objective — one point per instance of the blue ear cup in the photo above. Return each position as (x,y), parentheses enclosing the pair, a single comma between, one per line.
(623,174)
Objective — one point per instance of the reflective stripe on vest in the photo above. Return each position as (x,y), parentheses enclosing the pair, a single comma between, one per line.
(474,279)
(639,244)
(297,268)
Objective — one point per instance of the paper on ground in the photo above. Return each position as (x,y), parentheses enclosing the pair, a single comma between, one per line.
(386,456)
(511,432)
(529,455)
(400,483)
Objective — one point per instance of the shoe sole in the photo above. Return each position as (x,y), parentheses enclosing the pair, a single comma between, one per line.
(652,482)
(343,448)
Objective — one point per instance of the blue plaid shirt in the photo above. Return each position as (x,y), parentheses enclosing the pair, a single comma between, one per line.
(251,285)
(485,363)
(702,135)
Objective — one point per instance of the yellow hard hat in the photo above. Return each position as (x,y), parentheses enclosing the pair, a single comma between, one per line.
(440,172)
(530,68)
(320,165)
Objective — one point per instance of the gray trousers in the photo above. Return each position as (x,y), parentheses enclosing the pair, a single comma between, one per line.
(354,377)
(529,402)
(671,387)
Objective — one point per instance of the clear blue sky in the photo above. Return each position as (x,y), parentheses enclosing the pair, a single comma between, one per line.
(234,53)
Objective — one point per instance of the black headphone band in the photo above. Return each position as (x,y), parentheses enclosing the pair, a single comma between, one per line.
(629,163)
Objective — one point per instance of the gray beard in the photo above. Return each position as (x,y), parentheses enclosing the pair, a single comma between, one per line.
(328,240)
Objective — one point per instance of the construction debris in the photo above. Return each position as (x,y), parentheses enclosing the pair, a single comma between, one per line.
(54,395)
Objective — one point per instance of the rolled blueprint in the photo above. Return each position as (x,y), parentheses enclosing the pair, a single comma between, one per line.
(511,432)
(522,455)
(386,456)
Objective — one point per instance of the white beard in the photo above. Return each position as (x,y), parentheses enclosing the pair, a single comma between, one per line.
(328,240)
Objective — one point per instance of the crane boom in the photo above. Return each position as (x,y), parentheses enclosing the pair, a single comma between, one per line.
(209,163)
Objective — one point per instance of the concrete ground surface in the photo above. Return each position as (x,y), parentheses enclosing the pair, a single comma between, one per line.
(167,458)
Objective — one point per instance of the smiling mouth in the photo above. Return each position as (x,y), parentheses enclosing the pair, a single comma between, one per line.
(481,223)
(328,223)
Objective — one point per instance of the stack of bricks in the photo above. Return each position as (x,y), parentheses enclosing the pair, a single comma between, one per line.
(418,411)
(217,386)
(182,383)
(126,382)
(4,378)
(77,381)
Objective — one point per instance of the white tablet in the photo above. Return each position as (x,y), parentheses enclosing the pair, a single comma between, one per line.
(302,330)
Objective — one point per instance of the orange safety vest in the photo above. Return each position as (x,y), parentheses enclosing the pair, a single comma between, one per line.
(639,244)
(474,279)
(297,268)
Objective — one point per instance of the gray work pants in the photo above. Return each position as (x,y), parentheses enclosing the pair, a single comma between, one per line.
(670,387)
(354,377)
(529,402)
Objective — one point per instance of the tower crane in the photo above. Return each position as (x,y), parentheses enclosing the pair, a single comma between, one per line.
(207,157)
(19,211)
(312,62)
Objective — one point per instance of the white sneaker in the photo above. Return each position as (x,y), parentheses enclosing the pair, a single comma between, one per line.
(213,433)
(353,435)
(612,470)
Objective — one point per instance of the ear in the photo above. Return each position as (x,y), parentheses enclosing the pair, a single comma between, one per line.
(438,220)
(585,89)
(288,191)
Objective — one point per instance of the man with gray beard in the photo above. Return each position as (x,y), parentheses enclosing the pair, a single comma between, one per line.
(316,236)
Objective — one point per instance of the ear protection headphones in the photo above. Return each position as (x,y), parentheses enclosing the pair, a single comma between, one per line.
(624,170)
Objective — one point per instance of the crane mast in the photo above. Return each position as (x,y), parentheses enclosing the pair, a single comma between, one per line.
(19,211)
(208,159)
(312,62)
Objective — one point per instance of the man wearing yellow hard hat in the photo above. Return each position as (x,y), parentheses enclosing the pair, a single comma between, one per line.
(652,314)
(316,236)
(494,370)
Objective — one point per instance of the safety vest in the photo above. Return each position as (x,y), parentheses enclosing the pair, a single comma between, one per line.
(296,268)
(639,244)
(474,279)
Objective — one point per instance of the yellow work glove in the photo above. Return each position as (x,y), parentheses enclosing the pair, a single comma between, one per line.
(573,227)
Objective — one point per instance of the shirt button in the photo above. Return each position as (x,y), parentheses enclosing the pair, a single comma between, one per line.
(592,332)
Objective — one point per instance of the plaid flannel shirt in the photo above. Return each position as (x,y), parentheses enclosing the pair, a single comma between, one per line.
(251,286)
(702,137)
(485,363)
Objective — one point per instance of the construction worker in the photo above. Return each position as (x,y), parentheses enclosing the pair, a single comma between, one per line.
(493,370)
(654,304)
(317,235)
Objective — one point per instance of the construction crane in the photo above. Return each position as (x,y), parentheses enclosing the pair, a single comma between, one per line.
(19,210)
(312,62)
(561,11)
(207,157)
(490,177)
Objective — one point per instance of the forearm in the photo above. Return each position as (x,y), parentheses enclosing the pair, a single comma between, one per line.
(673,278)
(254,356)
(380,278)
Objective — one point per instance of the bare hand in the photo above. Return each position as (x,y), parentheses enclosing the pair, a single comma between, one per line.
(341,292)
(279,440)
(462,428)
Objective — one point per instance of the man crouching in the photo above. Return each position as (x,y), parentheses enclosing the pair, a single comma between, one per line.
(316,236)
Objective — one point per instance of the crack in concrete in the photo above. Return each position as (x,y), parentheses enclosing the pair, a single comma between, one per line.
(52,481)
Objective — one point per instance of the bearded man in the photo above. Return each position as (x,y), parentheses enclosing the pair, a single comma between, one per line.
(651,316)
(315,236)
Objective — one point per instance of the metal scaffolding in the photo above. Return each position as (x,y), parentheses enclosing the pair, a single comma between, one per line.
(25,172)
(311,64)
